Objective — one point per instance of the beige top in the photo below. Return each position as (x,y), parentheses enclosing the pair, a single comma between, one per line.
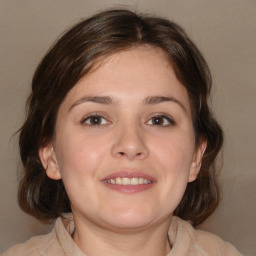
(184,238)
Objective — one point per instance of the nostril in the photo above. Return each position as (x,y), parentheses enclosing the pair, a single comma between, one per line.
(123,154)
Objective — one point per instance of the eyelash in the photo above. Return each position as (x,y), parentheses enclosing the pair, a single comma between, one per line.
(162,123)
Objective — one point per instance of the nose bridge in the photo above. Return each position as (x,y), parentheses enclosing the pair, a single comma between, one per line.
(130,141)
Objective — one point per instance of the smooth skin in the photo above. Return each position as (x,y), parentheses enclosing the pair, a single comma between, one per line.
(130,114)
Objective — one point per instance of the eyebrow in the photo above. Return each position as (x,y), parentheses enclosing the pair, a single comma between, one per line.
(159,99)
(107,100)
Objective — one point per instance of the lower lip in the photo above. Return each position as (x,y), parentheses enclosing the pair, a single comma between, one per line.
(129,188)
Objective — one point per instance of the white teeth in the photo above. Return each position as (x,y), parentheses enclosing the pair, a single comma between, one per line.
(134,181)
(119,181)
(141,181)
(145,182)
(128,181)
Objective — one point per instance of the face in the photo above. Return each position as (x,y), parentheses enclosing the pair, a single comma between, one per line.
(124,144)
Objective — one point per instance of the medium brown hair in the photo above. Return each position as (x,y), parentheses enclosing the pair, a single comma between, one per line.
(70,59)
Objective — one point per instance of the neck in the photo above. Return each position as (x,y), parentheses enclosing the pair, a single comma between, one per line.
(94,240)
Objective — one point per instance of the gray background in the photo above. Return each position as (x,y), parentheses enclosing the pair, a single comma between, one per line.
(224,30)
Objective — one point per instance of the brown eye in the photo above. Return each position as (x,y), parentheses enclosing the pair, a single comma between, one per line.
(95,120)
(160,120)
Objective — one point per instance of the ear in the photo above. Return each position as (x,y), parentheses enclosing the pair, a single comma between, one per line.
(197,160)
(49,162)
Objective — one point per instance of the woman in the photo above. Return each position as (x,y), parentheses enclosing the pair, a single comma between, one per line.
(119,143)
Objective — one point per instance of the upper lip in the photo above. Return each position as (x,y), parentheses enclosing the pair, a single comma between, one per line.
(129,174)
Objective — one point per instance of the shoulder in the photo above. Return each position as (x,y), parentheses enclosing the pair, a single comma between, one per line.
(214,245)
(198,242)
(35,246)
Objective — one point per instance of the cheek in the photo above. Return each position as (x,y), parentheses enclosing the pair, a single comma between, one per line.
(175,153)
(79,159)
(175,159)
(79,154)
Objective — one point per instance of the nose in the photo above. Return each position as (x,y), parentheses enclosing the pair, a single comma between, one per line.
(129,143)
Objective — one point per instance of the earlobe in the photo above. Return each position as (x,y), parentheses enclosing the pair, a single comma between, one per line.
(197,161)
(49,162)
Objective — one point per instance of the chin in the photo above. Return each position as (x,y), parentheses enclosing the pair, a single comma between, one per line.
(129,224)
(131,219)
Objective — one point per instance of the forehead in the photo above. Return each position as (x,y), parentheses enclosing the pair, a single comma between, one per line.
(136,71)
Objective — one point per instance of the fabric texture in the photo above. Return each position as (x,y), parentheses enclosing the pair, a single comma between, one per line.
(185,241)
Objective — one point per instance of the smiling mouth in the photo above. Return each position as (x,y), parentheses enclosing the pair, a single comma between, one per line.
(128,181)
